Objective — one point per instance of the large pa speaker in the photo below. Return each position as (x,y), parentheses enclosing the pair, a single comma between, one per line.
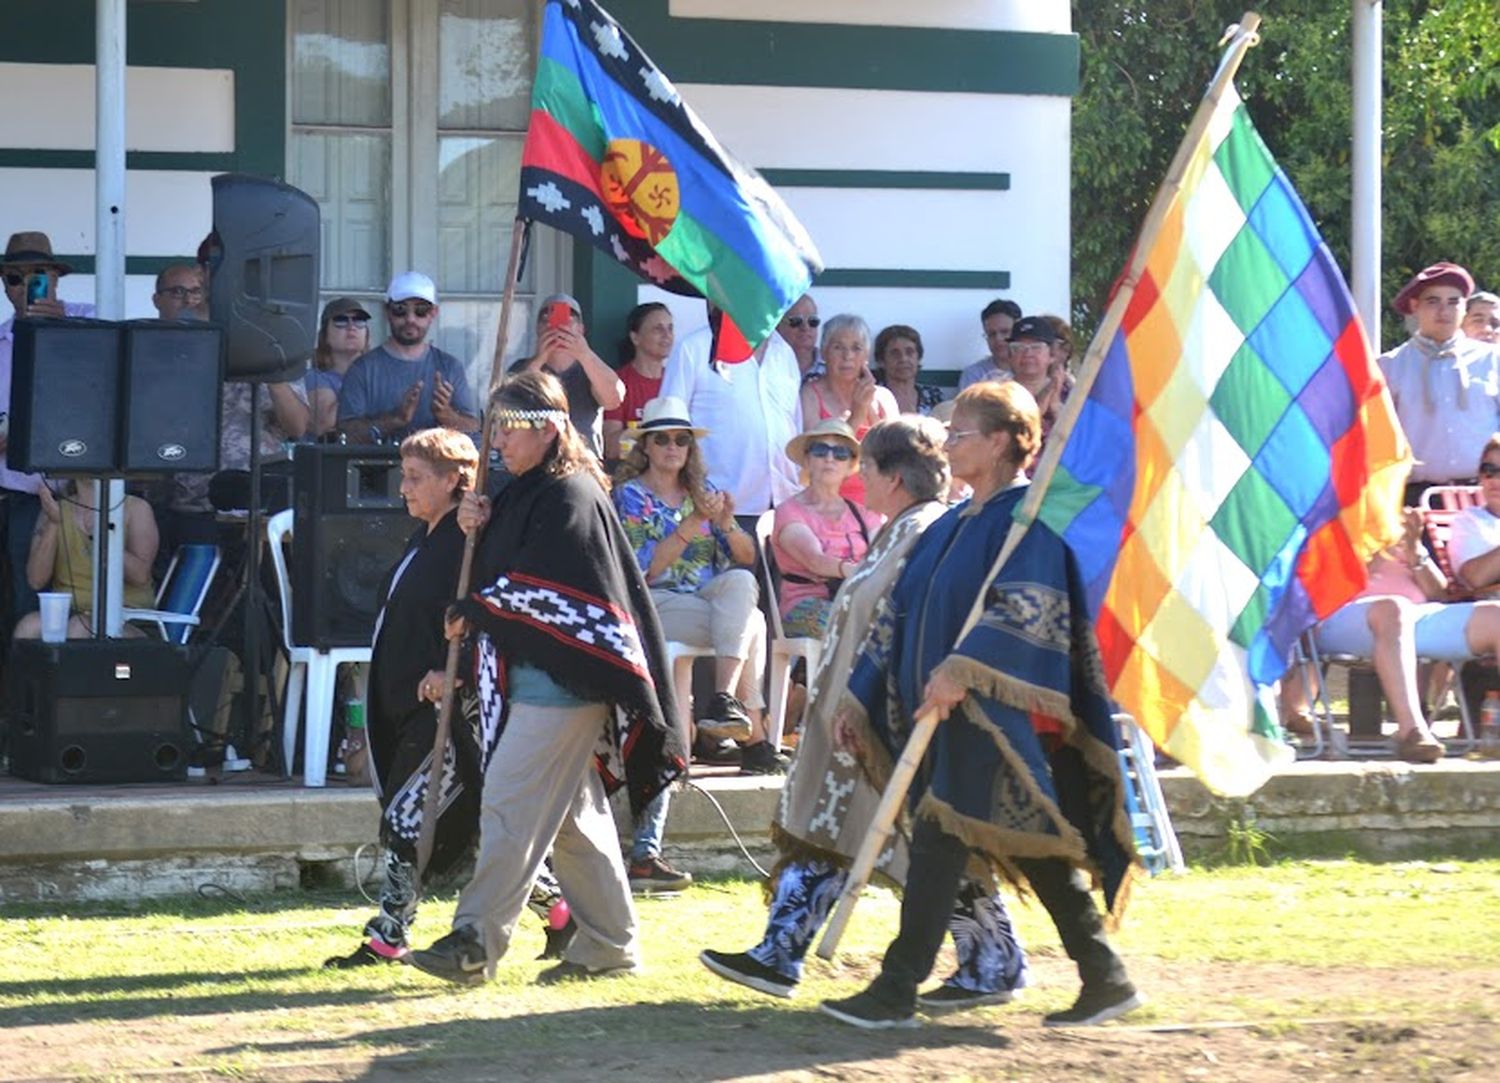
(98,711)
(263,284)
(65,384)
(349,528)
(169,397)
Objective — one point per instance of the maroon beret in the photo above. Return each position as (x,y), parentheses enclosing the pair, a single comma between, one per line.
(1439,274)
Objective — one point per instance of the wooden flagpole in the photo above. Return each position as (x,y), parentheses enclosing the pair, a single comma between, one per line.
(883,823)
(432,798)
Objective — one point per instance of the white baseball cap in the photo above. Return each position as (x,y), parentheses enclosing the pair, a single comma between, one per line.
(412,284)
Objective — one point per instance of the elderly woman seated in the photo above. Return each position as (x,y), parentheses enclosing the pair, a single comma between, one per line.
(1400,617)
(819,535)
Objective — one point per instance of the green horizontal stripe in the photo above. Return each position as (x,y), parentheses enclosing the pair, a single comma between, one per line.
(134,265)
(904,279)
(185,161)
(887,178)
(558,91)
(699,255)
(751,53)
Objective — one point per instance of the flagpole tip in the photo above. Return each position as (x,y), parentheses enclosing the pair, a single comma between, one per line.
(1247,27)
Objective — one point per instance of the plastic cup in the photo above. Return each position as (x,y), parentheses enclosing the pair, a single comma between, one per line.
(55,606)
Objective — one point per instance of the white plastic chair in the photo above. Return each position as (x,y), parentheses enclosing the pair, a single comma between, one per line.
(308,665)
(680,658)
(784,651)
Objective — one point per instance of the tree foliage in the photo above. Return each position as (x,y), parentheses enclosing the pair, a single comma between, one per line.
(1146,64)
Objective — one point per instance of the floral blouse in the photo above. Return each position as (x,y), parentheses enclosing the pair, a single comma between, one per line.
(648,519)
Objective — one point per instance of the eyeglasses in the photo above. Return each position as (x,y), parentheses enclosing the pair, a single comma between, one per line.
(345,322)
(1029,346)
(1489,470)
(797,322)
(671,439)
(958,434)
(182,293)
(841,452)
(400,310)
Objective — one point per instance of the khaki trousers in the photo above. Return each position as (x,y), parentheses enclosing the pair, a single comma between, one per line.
(541,791)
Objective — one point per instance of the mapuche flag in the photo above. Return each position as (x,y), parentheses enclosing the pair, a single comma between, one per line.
(1234,465)
(615,156)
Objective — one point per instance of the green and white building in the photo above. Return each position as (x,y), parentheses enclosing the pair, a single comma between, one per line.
(924,146)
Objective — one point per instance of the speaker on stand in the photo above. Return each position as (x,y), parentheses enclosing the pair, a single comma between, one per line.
(263,288)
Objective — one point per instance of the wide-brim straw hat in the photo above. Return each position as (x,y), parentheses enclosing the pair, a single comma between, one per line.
(666,413)
(32,248)
(827,429)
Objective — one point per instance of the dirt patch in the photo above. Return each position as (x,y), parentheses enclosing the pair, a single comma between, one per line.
(1210,1021)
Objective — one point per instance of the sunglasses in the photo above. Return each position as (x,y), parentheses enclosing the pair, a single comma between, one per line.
(1489,470)
(670,439)
(842,452)
(361,322)
(801,321)
(400,310)
(13,280)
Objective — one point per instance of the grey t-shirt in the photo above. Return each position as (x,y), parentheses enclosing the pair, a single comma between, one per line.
(376,381)
(583,408)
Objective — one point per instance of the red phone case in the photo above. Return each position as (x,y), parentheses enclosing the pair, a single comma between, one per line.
(559,315)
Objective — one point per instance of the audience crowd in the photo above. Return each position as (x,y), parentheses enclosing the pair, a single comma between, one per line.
(707,456)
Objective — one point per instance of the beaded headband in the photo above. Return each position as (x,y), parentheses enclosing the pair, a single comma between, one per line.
(529,419)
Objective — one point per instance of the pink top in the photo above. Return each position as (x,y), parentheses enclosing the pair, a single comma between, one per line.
(842,539)
(1392,578)
(854,485)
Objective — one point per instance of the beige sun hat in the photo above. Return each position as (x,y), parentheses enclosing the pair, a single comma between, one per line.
(828,428)
(667,412)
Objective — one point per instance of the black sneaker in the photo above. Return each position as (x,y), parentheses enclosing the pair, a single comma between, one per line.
(864,1011)
(955,998)
(726,717)
(761,759)
(364,955)
(711,750)
(569,971)
(652,876)
(740,967)
(458,957)
(1097,1004)
(558,940)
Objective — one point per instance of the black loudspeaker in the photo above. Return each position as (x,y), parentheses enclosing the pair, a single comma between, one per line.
(349,528)
(98,711)
(65,384)
(263,285)
(169,396)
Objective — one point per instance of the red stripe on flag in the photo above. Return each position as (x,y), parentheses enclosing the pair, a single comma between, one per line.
(552,147)
(729,344)
(1330,570)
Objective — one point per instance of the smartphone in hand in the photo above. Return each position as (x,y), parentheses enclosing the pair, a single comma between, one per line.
(38,288)
(559,315)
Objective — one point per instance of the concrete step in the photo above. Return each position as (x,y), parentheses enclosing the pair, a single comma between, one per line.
(257,833)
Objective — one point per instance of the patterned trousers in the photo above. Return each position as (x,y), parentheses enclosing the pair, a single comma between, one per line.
(990,957)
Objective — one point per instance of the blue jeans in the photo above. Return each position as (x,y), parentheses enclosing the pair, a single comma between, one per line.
(650,827)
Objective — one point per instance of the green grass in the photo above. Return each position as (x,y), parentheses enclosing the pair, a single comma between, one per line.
(233,988)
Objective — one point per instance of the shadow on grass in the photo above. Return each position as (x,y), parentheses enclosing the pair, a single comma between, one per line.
(672,1039)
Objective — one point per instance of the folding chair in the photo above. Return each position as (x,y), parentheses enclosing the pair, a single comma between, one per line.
(1155,838)
(182,591)
(784,650)
(315,668)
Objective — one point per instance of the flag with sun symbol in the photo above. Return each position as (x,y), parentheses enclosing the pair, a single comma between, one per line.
(614,156)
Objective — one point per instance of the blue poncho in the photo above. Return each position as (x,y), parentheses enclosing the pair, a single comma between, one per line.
(1027,765)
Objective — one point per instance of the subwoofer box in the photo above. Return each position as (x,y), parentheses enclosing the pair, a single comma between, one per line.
(98,711)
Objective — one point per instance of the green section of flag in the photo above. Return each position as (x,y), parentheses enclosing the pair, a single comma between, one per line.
(1067,497)
(558,92)
(1247,280)
(1253,522)
(1244,161)
(1252,617)
(1249,400)
(703,259)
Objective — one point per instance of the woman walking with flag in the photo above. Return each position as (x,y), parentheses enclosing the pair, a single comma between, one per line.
(571,671)
(1023,770)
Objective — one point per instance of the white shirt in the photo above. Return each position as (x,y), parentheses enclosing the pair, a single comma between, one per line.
(981,370)
(1475,533)
(1447,397)
(751,411)
(14,479)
